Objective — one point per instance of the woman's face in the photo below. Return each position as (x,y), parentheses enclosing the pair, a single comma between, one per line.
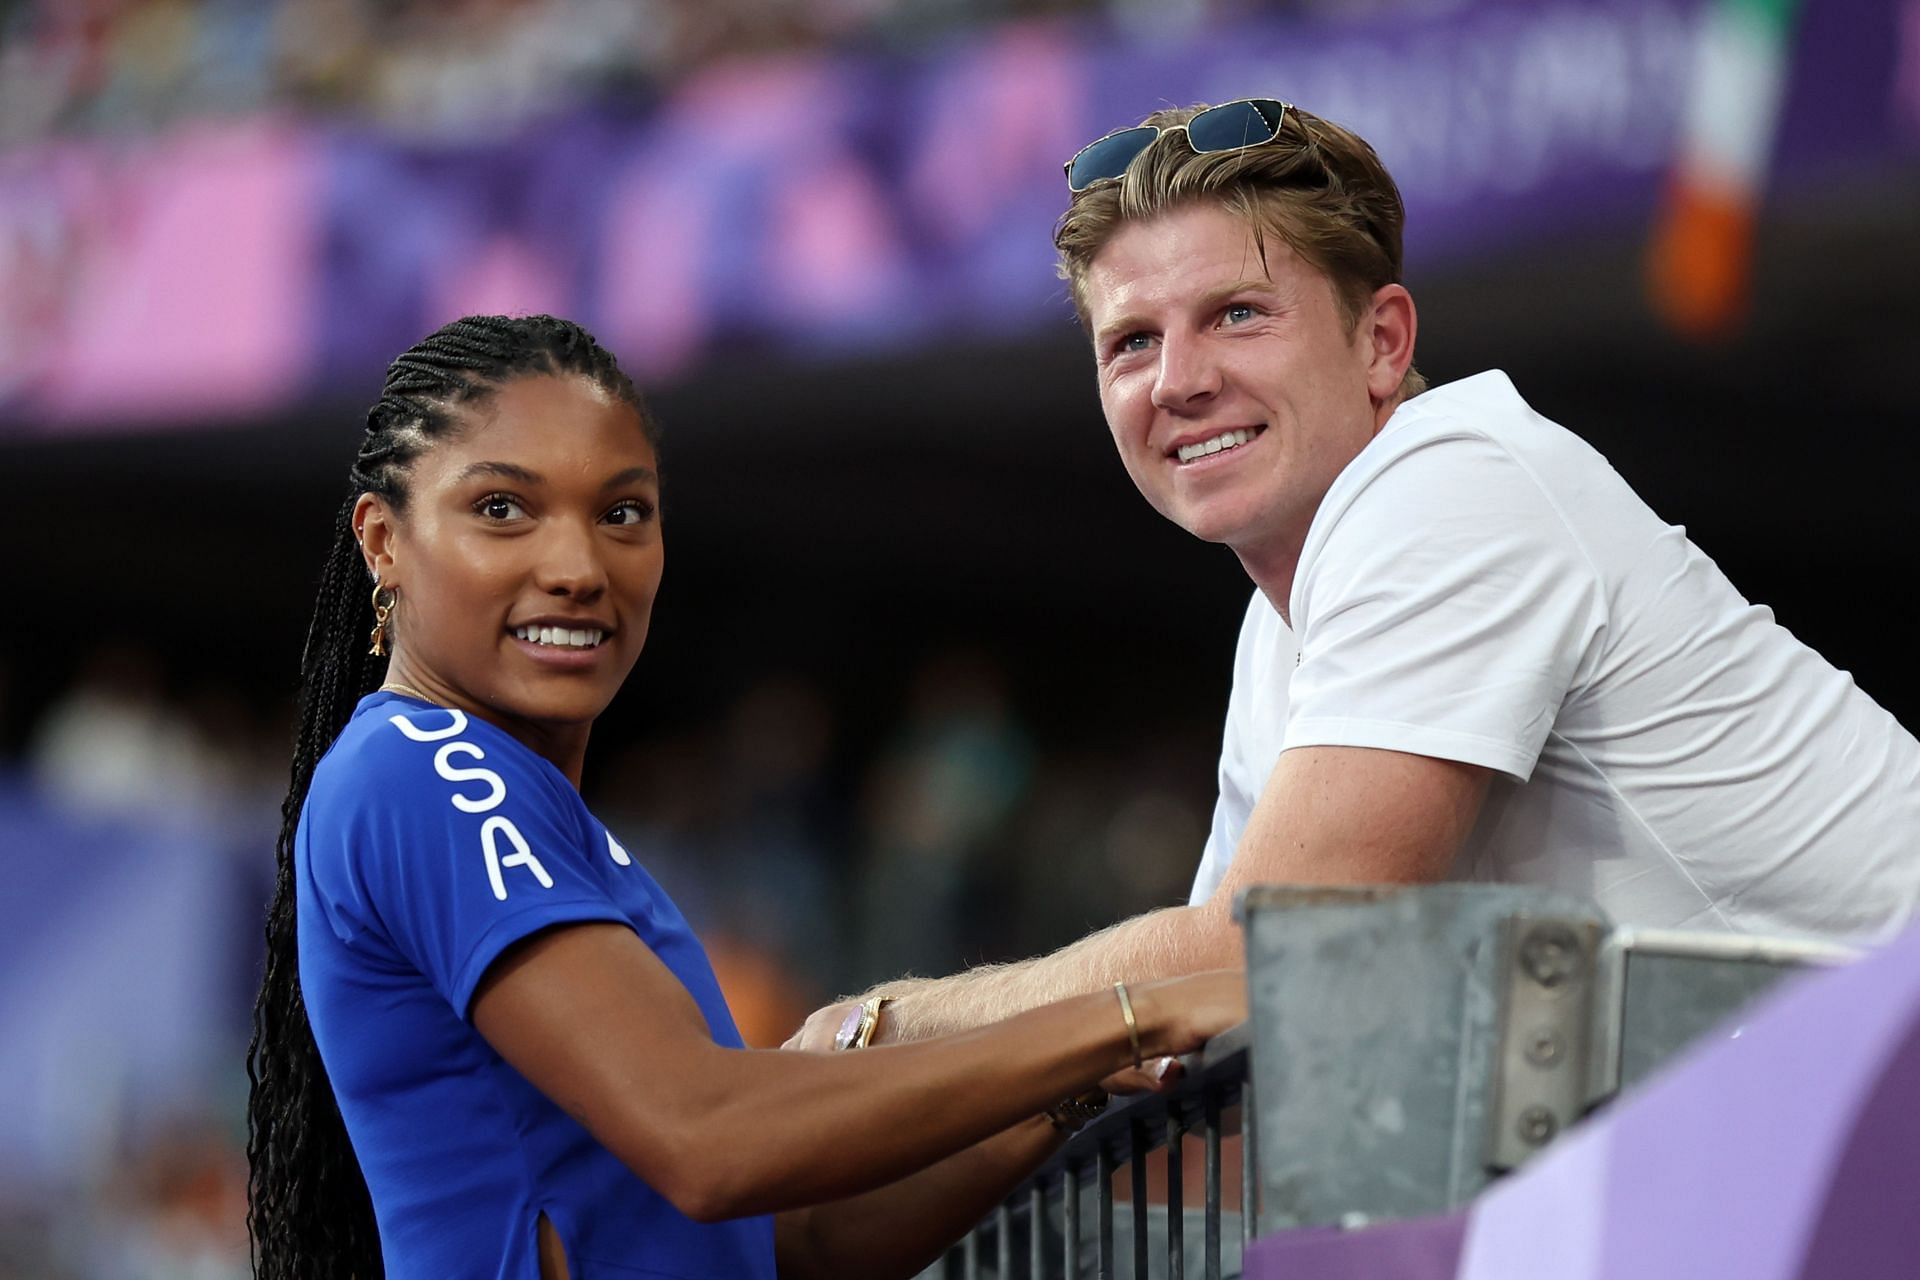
(528,556)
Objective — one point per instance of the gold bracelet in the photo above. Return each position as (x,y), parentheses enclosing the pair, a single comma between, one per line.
(1133,1028)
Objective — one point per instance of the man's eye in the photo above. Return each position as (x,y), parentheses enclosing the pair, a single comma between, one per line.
(1132,342)
(1237,313)
(499,506)
(633,511)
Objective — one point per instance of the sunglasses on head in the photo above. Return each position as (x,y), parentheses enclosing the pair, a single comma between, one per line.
(1249,122)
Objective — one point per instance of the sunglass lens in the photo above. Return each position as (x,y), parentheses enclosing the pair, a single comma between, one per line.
(1232,125)
(1109,157)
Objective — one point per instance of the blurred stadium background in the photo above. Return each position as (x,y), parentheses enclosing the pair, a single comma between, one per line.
(928,683)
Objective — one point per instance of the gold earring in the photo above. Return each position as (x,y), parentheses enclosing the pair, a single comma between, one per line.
(381,612)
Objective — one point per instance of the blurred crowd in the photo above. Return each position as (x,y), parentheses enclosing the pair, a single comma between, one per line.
(115,66)
(119,66)
(811,864)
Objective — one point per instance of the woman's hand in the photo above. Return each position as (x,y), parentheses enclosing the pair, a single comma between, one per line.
(1178,1015)
(1157,1075)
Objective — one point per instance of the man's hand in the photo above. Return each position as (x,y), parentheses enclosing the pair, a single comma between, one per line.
(816,1034)
(822,1027)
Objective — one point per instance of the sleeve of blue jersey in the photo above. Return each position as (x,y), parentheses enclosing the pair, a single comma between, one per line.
(465,845)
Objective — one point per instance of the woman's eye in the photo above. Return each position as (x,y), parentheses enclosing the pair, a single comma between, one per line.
(633,511)
(498,506)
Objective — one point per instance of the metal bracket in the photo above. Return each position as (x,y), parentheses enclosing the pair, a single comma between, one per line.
(1541,1057)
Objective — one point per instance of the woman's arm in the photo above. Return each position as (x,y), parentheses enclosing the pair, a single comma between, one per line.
(595,1021)
(899,1230)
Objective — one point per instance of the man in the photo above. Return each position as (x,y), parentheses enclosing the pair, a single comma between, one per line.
(1473,653)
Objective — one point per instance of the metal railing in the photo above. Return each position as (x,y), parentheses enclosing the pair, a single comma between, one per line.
(1407,1045)
(1040,1231)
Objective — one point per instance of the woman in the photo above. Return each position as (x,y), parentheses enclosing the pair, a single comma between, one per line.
(482,1026)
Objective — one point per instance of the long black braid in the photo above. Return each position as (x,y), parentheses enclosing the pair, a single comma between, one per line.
(308,1212)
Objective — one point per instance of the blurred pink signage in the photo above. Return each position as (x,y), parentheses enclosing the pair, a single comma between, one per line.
(831,205)
(157,282)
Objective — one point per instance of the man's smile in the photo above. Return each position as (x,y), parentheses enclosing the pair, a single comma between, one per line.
(1195,447)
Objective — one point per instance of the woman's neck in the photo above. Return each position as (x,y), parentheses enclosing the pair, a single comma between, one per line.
(563,745)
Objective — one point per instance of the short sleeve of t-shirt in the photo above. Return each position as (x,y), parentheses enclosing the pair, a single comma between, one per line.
(1263,662)
(454,842)
(1443,606)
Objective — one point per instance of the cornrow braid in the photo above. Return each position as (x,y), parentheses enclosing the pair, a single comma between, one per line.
(308,1210)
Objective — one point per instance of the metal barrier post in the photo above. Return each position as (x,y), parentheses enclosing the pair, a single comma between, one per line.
(1176,1212)
(1103,1176)
(1036,1216)
(1213,1186)
(1249,1166)
(1070,1218)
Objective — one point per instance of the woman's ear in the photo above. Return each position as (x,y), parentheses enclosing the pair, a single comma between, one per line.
(374,528)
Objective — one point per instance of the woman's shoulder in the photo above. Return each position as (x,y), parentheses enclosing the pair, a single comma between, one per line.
(400,752)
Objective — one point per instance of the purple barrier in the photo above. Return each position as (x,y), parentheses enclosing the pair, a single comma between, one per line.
(818,205)
(1791,1152)
(126,964)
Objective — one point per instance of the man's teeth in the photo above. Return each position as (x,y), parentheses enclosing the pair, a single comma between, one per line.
(561,636)
(1225,440)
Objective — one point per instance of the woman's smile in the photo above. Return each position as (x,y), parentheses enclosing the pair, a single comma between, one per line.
(564,644)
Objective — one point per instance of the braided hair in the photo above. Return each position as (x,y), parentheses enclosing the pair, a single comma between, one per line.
(308,1210)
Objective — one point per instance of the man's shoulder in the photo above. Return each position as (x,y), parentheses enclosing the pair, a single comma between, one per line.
(1460,476)
(1485,406)
(1466,441)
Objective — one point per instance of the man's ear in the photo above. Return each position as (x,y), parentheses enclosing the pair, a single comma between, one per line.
(1388,329)
(375,529)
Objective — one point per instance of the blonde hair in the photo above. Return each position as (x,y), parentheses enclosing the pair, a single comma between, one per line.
(1318,188)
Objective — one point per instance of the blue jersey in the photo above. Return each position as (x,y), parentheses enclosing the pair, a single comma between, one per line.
(431,842)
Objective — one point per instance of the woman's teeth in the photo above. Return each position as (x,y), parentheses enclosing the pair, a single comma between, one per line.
(561,636)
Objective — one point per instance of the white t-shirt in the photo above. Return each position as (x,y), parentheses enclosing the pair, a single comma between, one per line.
(1480,585)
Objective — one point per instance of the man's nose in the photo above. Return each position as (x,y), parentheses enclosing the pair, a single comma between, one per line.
(1188,373)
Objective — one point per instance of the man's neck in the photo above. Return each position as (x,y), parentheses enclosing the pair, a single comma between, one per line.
(1272,569)
(1272,564)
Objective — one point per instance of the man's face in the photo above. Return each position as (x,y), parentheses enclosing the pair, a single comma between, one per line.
(1233,389)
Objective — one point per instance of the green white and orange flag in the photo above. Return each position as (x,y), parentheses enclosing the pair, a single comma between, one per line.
(1700,265)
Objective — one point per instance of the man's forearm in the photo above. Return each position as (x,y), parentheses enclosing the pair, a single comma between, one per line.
(1328,815)
(1160,944)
